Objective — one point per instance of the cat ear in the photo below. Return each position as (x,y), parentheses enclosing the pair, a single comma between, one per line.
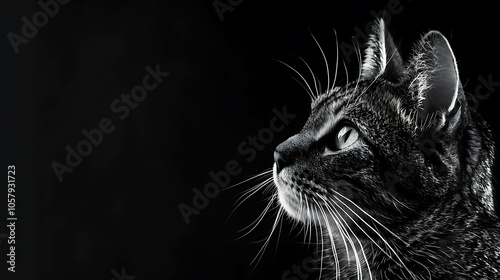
(436,82)
(382,57)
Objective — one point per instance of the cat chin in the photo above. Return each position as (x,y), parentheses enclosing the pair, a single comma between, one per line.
(290,201)
(286,196)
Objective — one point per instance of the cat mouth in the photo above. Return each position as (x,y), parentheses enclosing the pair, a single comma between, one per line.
(311,203)
(287,198)
(295,199)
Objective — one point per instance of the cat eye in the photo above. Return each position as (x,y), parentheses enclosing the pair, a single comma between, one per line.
(342,137)
(346,136)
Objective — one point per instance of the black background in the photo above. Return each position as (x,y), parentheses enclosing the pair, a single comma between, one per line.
(118,209)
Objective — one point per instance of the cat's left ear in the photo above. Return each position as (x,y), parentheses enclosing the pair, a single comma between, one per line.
(382,58)
(436,83)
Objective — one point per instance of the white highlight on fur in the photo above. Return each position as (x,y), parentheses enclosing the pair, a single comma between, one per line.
(455,67)
(327,127)
(375,54)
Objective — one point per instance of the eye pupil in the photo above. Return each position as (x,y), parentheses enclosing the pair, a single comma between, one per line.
(346,136)
(343,136)
(346,132)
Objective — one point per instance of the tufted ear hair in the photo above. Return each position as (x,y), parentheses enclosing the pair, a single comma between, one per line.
(435,83)
(381,58)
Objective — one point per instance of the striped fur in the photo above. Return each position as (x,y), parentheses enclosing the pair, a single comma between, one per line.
(411,198)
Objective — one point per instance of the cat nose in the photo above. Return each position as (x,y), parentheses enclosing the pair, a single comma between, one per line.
(280,161)
(289,151)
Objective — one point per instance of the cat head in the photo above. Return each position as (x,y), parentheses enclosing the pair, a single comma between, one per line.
(384,146)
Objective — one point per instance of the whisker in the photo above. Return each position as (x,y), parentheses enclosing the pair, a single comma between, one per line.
(311,223)
(261,174)
(279,235)
(310,91)
(249,193)
(330,235)
(368,87)
(304,87)
(360,63)
(308,224)
(359,242)
(326,63)
(345,231)
(319,90)
(359,58)
(257,221)
(336,58)
(376,232)
(346,75)
(368,215)
(312,74)
(360,228)
(338,222)
(334,252)
(260,254)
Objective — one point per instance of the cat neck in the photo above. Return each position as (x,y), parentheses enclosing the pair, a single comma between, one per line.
(478,148)
(436,237)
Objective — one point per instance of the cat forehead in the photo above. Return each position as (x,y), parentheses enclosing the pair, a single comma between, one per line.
(338,98)
(362,101)
(337,93)
(330,108)
(323,119)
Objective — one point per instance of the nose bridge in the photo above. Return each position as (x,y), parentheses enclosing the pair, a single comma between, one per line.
(293,146)
(289,150)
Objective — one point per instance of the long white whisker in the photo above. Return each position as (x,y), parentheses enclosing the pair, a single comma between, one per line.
(336,58)
(257,221)
(334,251)
(319,90)
(309,225)
(305,214)
(310,92)
(338,222)
(346,74)
(368,215)
(247,194)
(368,87)
(260,254)
(279,235)
(304,87)
(358,55)
(375,231)
(326,64)
(355,236)
(353,246)
(322,253)
(330,235)
(360,228)
(251,191)
(263,173)
(313,76)
(341,225)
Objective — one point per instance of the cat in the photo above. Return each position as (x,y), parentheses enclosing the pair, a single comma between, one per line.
(393,170)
